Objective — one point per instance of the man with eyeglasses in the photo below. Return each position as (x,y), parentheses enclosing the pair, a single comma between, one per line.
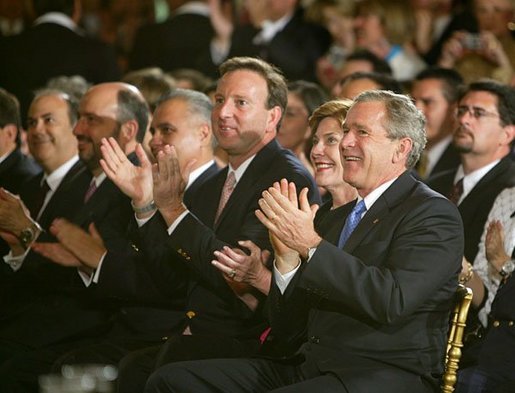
(484,135)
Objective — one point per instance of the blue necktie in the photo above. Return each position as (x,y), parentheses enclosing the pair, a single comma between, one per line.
(352,222)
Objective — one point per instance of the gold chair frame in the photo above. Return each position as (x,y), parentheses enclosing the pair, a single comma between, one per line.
(455,340)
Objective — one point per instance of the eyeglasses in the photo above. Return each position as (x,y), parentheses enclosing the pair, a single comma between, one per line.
(477,113)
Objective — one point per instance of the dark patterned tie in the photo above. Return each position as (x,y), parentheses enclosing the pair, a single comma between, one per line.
(352,222)
(456,192)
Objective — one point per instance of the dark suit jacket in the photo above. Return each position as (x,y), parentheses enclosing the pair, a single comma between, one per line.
(183,41)
(16,169)
(145,310)
(377,311)
(295,49)
(475,207)
(450,159)
(47,50)
(56,301)
(215,308)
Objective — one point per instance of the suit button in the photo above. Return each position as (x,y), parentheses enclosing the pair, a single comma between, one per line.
(164,338)
(496,323)
(510,324)
(314,339)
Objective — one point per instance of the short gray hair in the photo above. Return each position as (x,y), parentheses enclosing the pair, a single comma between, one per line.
(403,120)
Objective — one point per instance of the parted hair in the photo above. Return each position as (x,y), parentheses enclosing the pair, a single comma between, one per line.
(403,120)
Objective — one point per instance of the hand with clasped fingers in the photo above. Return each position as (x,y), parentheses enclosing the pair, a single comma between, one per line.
(169,183)
(14,217)
(134,181)
(494,247)
(76,247)
(290,222)
(248,268)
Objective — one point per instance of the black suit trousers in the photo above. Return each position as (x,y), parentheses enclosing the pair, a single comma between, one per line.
(135,368)
(248,375)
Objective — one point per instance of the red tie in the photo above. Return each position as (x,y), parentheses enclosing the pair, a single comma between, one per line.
(229,185)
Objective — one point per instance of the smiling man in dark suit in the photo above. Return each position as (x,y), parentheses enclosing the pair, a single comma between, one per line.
(223,315)
(373,311)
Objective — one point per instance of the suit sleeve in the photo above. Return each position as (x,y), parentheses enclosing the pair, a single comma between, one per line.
(390,276)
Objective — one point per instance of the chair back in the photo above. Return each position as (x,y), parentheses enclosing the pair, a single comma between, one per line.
(455,340)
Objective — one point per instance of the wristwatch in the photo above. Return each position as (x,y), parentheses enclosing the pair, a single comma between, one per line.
(29,234)
(507,268)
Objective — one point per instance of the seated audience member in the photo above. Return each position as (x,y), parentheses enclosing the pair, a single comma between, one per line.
(326,125)
(365,61)
(493,355)
(186,78)
(385,29)
(146,312)
(75,85)
(435,91)
(361,306)
(337,17)
(42,290)
(223,307)
(489,53)
(295,132)
(278,33)
(53,46)
(497,242)
(65,315)
(153,83)
(354,84)
(15,167)
(486,116)
(182,41)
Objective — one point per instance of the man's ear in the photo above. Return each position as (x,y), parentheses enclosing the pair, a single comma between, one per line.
(205,133)
(404,147)
(508,134)
(128,131)
(11,131)
(274,116)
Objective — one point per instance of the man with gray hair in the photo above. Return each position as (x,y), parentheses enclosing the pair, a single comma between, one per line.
(371,309)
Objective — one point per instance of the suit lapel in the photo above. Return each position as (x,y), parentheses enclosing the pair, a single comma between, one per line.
(246,184)
(393,195)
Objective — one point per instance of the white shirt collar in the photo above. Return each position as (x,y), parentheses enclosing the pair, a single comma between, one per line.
(197,172)
(99,179)
(470,180)
(270,28)
(56,177)
(59,19)
(372,197)
(238,173)
(193,7)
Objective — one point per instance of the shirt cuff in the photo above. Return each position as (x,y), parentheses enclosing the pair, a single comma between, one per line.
(15,262)
(143,221)
(88,279)
(283,280)
(176,223)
